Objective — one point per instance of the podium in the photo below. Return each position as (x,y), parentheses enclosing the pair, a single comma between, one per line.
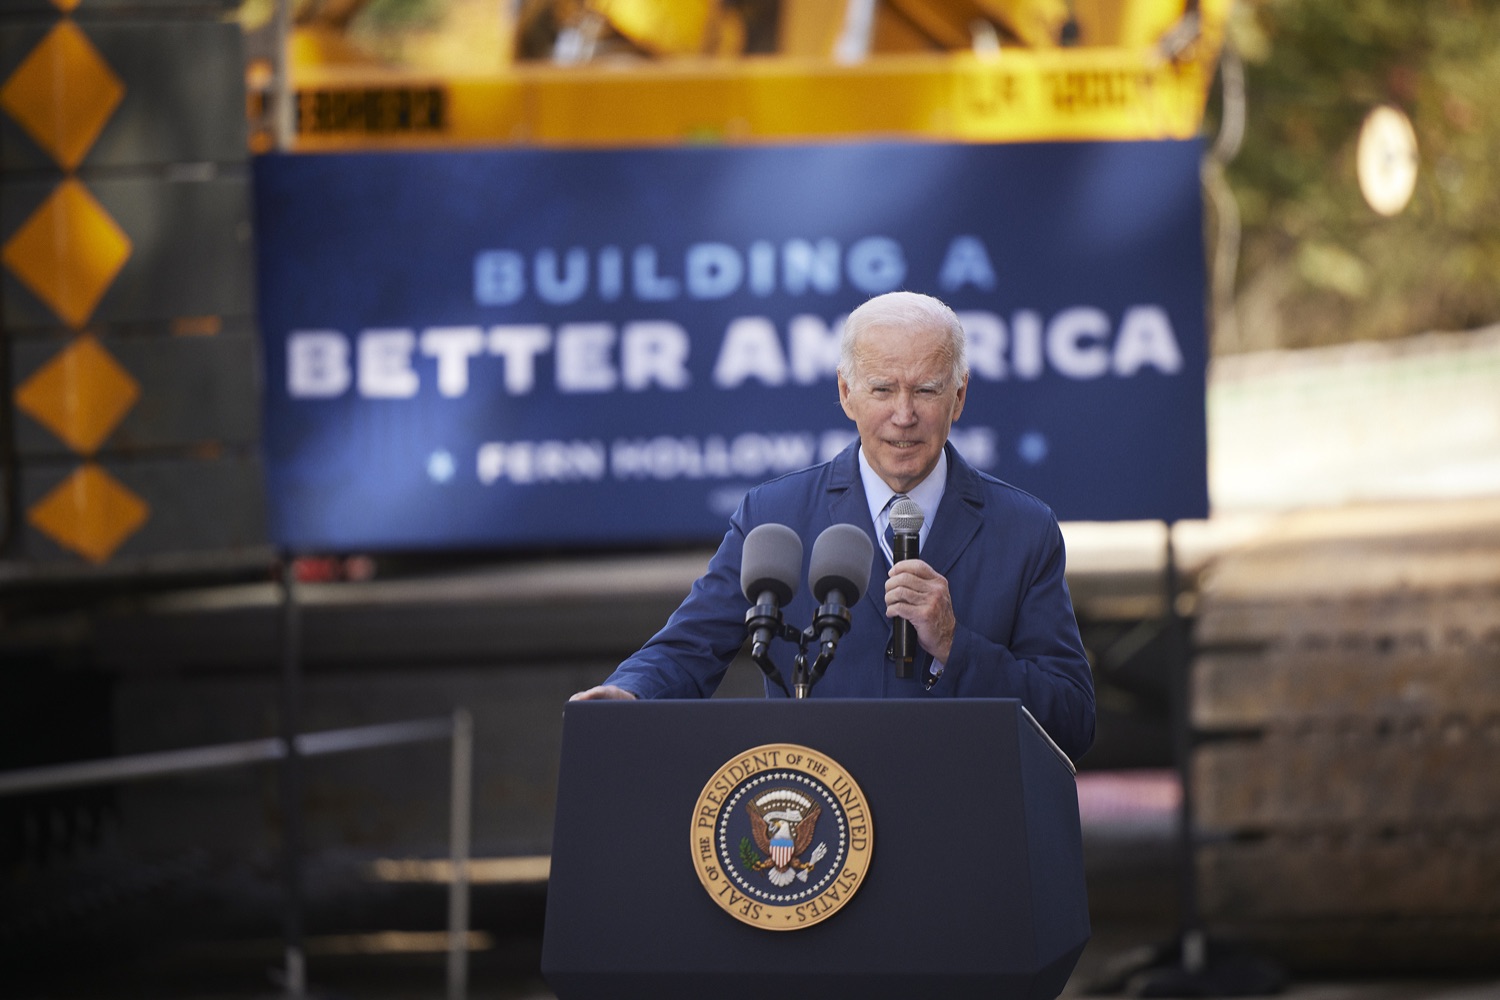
(974,882)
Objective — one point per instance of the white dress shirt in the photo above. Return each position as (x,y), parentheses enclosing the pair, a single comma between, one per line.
(927,495)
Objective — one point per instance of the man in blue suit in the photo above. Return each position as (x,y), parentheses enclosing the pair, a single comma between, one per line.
(987,597)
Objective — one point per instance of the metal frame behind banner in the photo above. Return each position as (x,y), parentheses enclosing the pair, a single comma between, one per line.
(292,746)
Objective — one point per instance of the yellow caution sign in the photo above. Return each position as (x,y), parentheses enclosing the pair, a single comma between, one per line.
(81,395)
(68,252)
(62,94)
(90,513)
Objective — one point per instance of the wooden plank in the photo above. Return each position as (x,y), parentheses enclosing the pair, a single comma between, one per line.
(1366,946)
(1398,615)
(1341,568)
(1415,875)
(1243,689)
(1360,773)
(1334,550)
(1360,646)
(1378,571)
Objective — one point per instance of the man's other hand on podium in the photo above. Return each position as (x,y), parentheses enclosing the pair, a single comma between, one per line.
(604,692)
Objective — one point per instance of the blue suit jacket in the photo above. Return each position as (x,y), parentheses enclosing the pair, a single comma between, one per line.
(1001,551)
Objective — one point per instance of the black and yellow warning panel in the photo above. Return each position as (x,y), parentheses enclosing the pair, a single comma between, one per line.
(126,292)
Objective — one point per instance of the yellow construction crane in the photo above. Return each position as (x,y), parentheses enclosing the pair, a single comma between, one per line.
(662,72)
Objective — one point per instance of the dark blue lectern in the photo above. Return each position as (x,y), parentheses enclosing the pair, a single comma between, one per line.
(974,885)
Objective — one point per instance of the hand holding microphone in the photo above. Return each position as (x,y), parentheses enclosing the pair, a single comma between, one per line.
(917,598)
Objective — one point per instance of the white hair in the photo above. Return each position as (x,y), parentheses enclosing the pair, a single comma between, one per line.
(907,310)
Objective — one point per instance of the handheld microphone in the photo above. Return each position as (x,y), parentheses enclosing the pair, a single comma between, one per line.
(906,532)
(769,569)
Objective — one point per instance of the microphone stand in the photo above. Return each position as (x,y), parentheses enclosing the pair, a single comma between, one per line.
(764,623)
(829,625)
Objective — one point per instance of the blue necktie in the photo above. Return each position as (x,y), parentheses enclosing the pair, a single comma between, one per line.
(890,532)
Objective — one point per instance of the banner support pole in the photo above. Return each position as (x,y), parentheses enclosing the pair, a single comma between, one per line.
(291,777)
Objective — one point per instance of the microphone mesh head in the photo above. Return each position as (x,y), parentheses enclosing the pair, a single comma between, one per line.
(842,558)
(772,560)
(906,516)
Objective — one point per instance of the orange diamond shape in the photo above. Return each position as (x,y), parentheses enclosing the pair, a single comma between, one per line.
(63,94)
(80,395)
(90,512)
(68,252)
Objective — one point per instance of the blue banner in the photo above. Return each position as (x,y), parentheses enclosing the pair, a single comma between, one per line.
(526,348)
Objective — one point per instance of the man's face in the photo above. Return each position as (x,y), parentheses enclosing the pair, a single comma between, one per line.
(903,399)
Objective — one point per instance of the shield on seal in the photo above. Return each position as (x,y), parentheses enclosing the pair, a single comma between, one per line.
(781,849)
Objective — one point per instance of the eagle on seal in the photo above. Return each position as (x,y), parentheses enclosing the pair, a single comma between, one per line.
(783,822)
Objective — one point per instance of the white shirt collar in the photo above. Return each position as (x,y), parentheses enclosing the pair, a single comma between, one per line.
(927,494)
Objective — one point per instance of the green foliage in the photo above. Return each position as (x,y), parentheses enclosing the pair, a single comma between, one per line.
(1317,265)
(748,855)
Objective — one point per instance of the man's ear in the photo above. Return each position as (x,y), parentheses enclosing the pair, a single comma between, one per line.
(844,396)
(960,396)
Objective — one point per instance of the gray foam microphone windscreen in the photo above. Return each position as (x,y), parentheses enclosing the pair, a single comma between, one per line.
(841,558)
(772,561)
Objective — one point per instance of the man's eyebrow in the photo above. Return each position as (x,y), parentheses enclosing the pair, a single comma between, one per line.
(883,381)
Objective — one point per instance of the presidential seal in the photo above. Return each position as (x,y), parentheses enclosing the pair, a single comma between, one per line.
(781,837)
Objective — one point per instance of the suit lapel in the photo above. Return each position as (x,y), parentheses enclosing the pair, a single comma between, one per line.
(847,504)
(959,517)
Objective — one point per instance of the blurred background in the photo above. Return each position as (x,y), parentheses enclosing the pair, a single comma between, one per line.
(1310,672)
